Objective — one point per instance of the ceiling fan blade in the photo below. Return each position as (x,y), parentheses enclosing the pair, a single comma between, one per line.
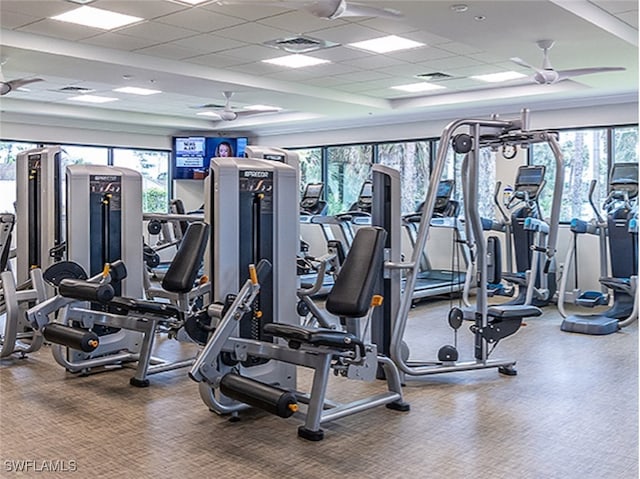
(15,84)
(564,74)
(360,10)
(522,63)
(257,112)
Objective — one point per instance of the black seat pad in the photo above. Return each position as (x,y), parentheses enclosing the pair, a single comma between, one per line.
(353,289)
(513,311)
(126,305)
(516,278)
(340,340)
(183,270)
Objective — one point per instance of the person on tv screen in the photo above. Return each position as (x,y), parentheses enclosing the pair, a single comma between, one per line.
(224,149)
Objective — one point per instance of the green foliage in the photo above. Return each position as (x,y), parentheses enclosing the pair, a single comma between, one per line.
(154,200)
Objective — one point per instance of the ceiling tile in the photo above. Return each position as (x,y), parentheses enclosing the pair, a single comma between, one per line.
(374,62)
(214,60)
(326,82)
(143,9)
(299,22)
(168,50)
(198,19)
(387,26)
(257,32)
(450,64)
(207,43)
(459,48)
(12,20)
(119,41)
(347,33)
(57,29)
(340,53)
(423,54)
(362,76)
(251,12)
(36,8)
(630,18)
(292,75)
(259,68)
(157,31)
(253,53)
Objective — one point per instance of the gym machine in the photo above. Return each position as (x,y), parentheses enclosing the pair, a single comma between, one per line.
(525,234)
(490,323)
(104,224)
(17,335)
(246,361)
(39,226)
(617,233)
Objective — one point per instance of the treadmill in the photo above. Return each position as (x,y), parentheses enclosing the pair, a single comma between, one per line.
(434,281)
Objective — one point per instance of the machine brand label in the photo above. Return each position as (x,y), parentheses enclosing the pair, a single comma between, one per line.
(255,174)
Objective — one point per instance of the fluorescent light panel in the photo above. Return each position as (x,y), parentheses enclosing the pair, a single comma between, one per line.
(418,87)
(391,43)
(296,61)
(97,18)
(136,91)
(499,77)
(92,98)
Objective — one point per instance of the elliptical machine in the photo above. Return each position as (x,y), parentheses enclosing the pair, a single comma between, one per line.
(617,233)
(525,232)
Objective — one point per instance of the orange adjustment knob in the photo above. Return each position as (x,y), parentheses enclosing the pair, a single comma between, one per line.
(293,407)
(204,279)
(376,300)
(258,314)
(253,275)
(105,270)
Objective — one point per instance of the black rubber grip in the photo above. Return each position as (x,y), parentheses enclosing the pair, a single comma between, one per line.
(74,338)
(254,393)
(85,291)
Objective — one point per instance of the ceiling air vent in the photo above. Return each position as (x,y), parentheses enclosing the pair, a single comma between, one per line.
(434,76)
(300,44)
(76,89)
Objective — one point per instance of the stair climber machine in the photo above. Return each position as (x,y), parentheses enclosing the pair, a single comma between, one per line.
(101,320)
(526,235)
(256,343)
(491,324)
(40,242)
(617,233)
(437,281)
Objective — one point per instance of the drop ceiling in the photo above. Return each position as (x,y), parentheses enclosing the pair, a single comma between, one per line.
(194,53)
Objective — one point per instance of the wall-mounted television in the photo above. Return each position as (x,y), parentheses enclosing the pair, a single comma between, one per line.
(192,154)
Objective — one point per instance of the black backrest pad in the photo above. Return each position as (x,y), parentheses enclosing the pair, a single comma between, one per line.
(353,289)
(183,270)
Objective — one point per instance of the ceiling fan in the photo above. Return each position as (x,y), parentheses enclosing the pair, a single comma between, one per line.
(227,113)
(548,75)
(8,86)
(327,9)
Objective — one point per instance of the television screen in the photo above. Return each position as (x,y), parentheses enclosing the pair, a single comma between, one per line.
(444,189)
(313,190)
(192,155)
(367,190)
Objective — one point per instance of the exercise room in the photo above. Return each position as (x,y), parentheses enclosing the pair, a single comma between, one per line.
(319,239)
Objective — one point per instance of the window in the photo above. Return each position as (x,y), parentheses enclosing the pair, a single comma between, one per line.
(8,152)
(585,158)
(486,179)
(412,160)
(310,166)
(153,165)
(625,144)
(348,167)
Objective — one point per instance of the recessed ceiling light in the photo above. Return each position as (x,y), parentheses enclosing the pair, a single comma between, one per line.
(499,77)
(391,43)
(208,113)
(296,61)
(92,98)
(136,91)
(97,18)
(262,108)
(418,87)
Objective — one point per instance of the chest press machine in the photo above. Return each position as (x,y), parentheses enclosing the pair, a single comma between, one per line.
(117,327)
(251,357)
